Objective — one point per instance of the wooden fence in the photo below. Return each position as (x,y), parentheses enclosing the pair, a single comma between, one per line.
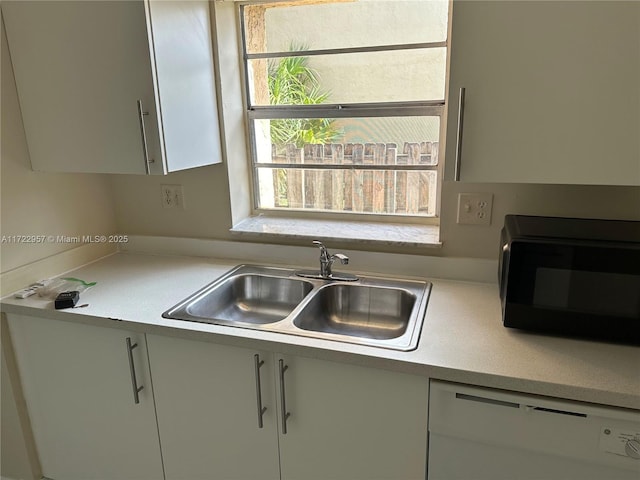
(356,189)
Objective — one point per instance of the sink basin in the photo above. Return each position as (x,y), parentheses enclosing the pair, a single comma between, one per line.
(254,298)
(372,311)
(379,313)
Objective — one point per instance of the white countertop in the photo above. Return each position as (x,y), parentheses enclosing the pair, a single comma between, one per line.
(462,338)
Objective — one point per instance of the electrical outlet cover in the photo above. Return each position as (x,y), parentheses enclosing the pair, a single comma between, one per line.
(475,208)
(167,196)
(172,196)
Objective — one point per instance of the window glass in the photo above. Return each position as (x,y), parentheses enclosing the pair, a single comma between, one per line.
(387,76)
(331,25)
(345,100)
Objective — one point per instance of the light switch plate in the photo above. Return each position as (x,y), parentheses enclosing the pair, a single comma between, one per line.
(475,208)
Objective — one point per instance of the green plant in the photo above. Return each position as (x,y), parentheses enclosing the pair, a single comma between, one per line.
(293,82)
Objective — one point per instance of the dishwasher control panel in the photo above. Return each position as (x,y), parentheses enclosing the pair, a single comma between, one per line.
(620,442)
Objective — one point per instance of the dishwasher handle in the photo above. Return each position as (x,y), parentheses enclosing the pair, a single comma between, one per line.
(528,408)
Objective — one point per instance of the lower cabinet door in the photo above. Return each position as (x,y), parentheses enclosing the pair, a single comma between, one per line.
(78,384)
(349,422)
(208,410)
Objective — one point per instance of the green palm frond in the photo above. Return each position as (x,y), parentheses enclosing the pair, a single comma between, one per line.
(293,82)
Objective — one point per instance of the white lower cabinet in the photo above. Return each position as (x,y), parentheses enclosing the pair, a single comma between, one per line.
(78,383)
(107,404)
(208,411)
(352,423)
(344,422)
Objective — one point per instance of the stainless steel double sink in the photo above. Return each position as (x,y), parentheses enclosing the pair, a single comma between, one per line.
(374,311)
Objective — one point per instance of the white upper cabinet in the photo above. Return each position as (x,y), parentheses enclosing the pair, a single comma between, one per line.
(115,87)
(552,92)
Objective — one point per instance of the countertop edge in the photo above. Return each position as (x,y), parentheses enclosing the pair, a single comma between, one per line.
(277,343)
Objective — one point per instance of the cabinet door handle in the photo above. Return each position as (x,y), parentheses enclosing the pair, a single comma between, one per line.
(143,133)
(258,363)
(459,135)
(132,368)
(283,397)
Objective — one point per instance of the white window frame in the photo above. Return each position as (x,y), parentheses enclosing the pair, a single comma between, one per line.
(432,108)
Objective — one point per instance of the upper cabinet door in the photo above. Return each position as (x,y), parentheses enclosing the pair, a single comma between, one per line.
(81,68)
(183,47)
(552,92)
(99,83)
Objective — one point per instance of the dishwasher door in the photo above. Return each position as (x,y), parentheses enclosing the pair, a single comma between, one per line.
(477,433)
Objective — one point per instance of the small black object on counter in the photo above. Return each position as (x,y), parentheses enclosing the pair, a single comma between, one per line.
(67,299)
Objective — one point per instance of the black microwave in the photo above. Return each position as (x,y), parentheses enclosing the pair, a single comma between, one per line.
(571,276)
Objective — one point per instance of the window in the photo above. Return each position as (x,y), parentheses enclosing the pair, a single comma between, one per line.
(344,103)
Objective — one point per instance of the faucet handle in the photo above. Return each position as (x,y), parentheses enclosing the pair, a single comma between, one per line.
(340,256)
(323,250)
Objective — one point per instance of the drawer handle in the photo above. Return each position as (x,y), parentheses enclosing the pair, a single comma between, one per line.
(258,363)
(132,368)
(556,411)
(491,401)
(283,397)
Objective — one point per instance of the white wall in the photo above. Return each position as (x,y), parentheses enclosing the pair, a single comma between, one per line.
(203,219)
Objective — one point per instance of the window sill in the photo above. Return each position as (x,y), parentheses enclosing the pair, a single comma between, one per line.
(394,234)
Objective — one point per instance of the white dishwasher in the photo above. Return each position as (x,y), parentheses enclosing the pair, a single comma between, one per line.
(477,434)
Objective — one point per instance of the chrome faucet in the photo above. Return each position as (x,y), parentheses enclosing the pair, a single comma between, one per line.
(327,259)
(326,262)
